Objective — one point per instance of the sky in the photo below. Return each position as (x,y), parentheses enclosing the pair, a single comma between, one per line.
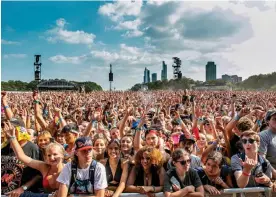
(79,40)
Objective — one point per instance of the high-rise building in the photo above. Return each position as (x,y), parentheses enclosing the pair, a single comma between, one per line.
(164,71)
(211,71)
(154,77)
(146,75)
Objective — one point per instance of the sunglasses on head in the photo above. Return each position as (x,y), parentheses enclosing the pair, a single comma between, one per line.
(184,162)
(250,141)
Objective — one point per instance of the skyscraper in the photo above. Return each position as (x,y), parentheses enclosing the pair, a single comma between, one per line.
(211,71)
(164,71)
(154,77)
(146,75)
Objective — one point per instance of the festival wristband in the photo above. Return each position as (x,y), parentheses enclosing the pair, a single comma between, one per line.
(6,107)
(245,174)
(237,118)
(12,138)
(179,120)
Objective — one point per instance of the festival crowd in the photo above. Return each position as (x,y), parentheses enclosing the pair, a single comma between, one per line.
(103,144)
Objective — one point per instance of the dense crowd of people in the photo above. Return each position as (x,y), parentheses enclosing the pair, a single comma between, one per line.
(182,143)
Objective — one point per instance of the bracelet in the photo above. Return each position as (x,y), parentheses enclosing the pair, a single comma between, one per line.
(138,129)
(12,138)
(153,188)
(245,174)
(237,118)
(37,101)
(6,107)
(179,120)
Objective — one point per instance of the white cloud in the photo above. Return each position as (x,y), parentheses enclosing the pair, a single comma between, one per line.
(59,33)
(9,42)
(116,11)
(14,55)
(130,25)
(60,59)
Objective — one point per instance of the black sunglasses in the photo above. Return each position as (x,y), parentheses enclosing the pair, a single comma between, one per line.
(184,162)
(250,141)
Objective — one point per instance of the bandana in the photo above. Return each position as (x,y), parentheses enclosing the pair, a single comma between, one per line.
(22,134)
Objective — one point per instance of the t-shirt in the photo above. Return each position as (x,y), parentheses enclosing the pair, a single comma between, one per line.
(268,146)
(236,166)
(14,173)
(191,178)
(83,174)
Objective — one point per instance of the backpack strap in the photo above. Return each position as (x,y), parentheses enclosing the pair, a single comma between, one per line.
(73,176)
(92,173)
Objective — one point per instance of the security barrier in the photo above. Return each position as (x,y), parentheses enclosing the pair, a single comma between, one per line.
(234,192)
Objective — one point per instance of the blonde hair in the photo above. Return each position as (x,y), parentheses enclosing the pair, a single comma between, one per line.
(55,144)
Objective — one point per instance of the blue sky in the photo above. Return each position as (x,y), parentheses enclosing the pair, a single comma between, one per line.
(78,40)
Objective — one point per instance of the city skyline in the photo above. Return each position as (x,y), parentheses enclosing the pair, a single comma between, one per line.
(79,40)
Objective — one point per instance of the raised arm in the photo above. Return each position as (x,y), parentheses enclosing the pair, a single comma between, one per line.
(36,164)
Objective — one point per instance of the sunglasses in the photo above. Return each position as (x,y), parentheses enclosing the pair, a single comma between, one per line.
(250,141)
(147,158)
(184,162)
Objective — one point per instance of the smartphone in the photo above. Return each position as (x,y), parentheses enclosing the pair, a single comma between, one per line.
(192,98)
(174,181)
(184,99)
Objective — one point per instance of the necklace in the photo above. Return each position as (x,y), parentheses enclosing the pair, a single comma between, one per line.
(147,178)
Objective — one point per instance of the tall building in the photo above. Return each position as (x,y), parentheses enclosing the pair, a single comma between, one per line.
(211,71)
(154,77)
(146,75)
(164,71)
(231,78)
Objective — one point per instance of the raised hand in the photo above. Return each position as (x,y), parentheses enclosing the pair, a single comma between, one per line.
(9,130)
(248,164)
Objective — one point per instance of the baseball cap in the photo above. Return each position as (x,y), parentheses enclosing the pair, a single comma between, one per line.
(83,143)
(183,138)
(71,127)
(269,114)
(17,122)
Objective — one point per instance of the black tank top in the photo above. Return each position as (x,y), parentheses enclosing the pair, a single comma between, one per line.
(113,181)
(139,181)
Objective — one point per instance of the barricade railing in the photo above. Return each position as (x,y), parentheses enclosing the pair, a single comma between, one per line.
(233,192)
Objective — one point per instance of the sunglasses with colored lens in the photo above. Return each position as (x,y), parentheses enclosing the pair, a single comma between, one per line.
(250,141)
(184,162)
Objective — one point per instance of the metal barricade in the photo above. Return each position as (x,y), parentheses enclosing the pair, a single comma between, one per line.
(233,192)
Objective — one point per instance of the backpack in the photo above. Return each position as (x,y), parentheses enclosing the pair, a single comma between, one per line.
(74,175)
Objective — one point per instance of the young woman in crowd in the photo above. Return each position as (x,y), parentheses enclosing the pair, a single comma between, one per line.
(99,145)
(182,180)
(50,168)
(215,175)
(116,169)
(147,176)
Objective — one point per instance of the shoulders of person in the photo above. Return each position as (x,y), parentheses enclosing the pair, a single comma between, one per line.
(265,133)
(30,145)
(99,167)
(171,172)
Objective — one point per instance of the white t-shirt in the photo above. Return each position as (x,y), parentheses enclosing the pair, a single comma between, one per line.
(83,174)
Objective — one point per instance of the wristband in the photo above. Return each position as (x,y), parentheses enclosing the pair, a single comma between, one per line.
(37,101)
(179,120)
(237,118)
(153,188)
(245,174)
(12,138)
(6,106)
(138,129)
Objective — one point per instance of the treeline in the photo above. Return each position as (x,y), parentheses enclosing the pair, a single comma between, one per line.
(17,85)
(256,82)
(173,84)
(259,82)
